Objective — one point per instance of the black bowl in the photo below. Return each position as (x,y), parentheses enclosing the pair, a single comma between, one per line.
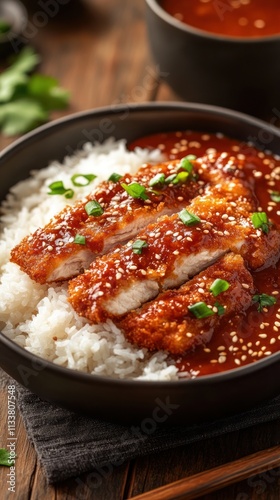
(239,73)
(207,397)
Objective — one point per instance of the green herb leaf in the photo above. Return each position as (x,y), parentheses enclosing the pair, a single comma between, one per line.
(93,208)
(80,239)
(188,218)
(4,27)
(260,221)
(220,308)
(200,310)
(186,164)
(26,100)
(114,177)
(86,179)
(5,458)
(45,90)
(218,286)
(58,188)
(275,196)
(135,190)
(138,246)
(264,300)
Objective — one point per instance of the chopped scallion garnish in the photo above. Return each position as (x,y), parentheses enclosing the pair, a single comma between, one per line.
(114,177)
(186,163)
(275,196)
(260,221)
(80,239)
(157,180)
(181,178)
(138,246)
(200,310)
(264,300)
(218,286)
(93,208)
(135,190)
(86,179)
(188,218)
(220,308)
(57,187)
(170,178)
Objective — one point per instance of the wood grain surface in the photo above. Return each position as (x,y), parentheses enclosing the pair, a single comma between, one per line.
(98,50)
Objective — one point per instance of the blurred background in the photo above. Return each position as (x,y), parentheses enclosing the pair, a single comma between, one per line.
(96,49)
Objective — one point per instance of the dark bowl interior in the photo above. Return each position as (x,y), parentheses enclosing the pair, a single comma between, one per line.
(207,397)
(239,73)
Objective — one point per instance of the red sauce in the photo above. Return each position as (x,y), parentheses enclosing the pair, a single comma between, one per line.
(249,337)
(237,18)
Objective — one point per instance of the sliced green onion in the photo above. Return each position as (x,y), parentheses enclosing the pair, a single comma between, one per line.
(157,180)
(87,179)
(201,310)
(218,286)
(181,178)
(220,308)
(260,221)
(135,190)
(186,163)
(80,239)
(275,196)
(170,178)
(138,246)
(93,208)
(57,187)
(188,218)
(114,177)
(264,300)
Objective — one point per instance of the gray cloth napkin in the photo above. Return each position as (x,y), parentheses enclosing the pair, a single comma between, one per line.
(69,444)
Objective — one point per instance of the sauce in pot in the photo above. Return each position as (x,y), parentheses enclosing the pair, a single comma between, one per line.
(254,335)
(237,18)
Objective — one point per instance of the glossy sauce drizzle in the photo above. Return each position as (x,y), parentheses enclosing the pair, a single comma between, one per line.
(254,335)
(238,18)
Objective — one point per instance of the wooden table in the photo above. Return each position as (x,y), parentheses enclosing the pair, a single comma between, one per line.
(98,50)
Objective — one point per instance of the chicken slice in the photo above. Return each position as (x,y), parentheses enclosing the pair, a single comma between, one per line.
(176,248)
(51,254)
(167,323)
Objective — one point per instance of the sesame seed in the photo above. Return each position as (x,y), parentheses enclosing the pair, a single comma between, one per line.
(206,349)
(189,334)
(176,252)
(272,341)
(49,247)
(263,335)
(118,276)
(244,357)
(245,285)
(142,271)
(222,359)
(267,353)
(237,361)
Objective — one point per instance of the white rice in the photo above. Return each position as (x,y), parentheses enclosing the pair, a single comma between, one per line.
(39,317)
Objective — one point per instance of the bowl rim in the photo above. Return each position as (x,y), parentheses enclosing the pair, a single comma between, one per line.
(187,28)
(50,128)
